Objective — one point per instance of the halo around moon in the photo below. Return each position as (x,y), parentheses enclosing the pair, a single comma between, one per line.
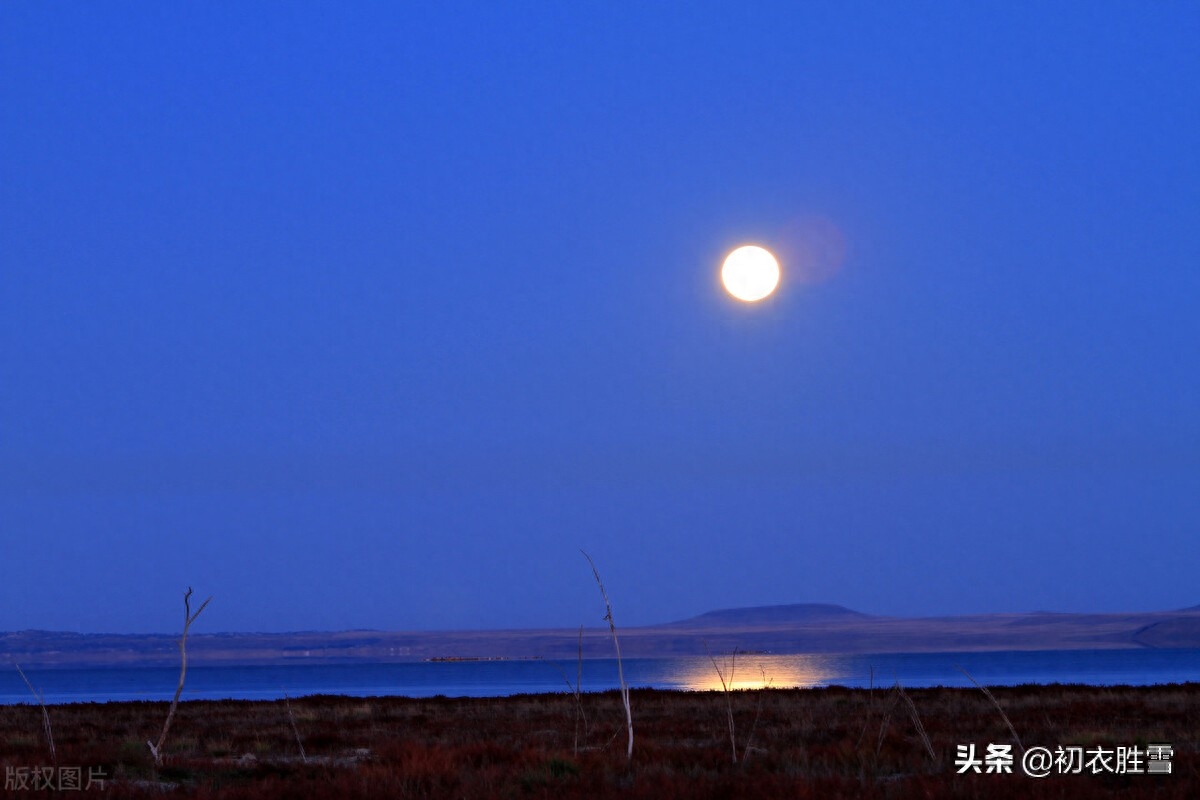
(750,273)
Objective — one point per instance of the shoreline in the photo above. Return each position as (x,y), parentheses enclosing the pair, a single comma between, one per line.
(505,678)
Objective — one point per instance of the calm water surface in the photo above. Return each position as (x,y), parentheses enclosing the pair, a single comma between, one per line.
(500,678)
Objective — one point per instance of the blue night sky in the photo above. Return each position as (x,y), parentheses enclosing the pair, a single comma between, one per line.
(373,315)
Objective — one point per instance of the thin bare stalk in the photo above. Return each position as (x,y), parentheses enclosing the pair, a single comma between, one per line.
(46,729)
(576,689)
(996,703)
(884,724)
(579,692)
(727,688)
(916,718)
(608,616)
(292,718)
(870,707)
(188,619)
(762,693)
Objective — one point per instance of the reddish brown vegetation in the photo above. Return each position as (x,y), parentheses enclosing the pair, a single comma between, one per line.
(818,743)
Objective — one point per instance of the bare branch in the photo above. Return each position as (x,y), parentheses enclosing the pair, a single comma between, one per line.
(188,619)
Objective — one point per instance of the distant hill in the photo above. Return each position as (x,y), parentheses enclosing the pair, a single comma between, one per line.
(1174,632)
(795,614)
(801,628)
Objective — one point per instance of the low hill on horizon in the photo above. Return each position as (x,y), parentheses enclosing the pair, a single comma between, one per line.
(769,615)
(797,628)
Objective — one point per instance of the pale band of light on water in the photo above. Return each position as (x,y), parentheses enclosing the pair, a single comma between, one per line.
(501,678)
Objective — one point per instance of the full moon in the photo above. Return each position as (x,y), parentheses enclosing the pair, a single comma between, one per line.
(750,273)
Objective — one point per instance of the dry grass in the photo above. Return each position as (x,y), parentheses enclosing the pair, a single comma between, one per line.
(612,626)
(988,694)
(809,744)
(47,729)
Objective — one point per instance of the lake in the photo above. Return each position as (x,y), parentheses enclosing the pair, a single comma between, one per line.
(499,678)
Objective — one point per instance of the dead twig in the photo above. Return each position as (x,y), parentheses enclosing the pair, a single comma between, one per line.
(576,690)
(762,693)
(727,687)
(916,718)
(870,707)
(46,729)
(996,703)
(188,619)
(292,718)
(883,725)
(608,616)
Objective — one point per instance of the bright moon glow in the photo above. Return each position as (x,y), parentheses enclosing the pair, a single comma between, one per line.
(750,273)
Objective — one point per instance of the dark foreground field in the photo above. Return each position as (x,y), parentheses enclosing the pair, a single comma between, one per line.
(818,743)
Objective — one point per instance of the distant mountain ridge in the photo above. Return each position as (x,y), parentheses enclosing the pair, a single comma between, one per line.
(771,615)
(796,628)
